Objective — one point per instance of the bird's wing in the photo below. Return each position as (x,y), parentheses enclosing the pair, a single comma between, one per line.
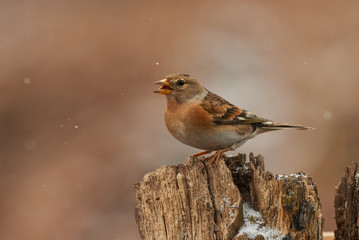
(223,112)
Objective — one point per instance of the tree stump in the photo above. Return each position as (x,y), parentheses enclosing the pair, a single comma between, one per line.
(347,204)
(188,201)
(288,203)
(230,199)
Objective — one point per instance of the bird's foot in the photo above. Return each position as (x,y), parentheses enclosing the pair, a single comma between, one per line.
(216,156)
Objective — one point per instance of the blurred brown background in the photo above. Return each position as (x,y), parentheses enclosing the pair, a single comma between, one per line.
(80,124)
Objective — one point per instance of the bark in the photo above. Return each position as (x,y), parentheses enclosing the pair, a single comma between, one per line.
(346,204)
(188,201)
(191,201)
(288,203)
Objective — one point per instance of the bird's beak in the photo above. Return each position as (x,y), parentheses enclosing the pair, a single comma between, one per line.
(165,87)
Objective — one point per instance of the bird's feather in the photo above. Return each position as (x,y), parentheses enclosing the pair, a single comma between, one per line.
(224,112)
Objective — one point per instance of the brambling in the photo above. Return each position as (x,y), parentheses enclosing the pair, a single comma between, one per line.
(204,120)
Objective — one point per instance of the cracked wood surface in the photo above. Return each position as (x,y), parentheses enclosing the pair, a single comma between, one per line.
(189,201)
(288,203)
(347,204)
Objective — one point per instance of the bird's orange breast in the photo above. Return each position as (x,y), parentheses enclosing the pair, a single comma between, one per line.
(192,125)
(191,115)
(184,121)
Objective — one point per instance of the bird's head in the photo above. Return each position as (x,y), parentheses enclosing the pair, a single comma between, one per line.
(182,87)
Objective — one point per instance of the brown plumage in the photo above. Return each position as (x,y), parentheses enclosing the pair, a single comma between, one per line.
(204,120)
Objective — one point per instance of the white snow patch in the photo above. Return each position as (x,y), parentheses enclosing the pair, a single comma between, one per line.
(227,202)
(244,166)
(295,175)
(253,225)
(280,176)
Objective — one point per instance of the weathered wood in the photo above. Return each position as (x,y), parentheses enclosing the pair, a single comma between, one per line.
(288,203)
(191,201)
(346,204)
(188,202)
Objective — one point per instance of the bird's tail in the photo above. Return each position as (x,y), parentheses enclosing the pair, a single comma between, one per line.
(269,125)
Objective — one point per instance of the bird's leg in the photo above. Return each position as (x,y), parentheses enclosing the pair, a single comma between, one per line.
(201,153)
(217,155)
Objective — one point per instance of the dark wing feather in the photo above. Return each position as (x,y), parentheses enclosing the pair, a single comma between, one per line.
(223,112)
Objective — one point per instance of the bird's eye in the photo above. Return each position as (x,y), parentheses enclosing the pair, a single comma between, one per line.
(180,82)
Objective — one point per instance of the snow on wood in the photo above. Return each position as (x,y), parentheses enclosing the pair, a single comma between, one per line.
(191,201)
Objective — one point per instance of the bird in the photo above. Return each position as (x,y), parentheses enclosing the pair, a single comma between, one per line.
(202,119)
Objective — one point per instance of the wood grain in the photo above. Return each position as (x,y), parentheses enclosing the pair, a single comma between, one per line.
(190,201)
(347,204)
